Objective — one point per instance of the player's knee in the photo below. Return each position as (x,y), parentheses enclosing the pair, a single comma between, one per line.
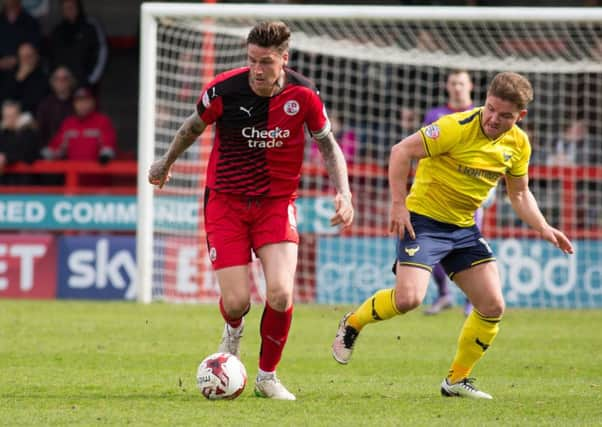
(279,299)
(492,308)
(499,308)
(235,306)
(405,302)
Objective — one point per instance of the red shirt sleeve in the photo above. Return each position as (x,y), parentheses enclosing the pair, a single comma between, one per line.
(316,117)
(209,105)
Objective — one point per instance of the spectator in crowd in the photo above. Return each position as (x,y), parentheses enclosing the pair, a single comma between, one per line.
(409,119)
(79,43)
(57,106)
(16,27)
(459,88)
(29,83)
(575,146)
(376,135)
(88,135)
(540,150)
(19,142)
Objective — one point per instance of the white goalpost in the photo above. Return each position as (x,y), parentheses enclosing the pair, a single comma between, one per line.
(379,68)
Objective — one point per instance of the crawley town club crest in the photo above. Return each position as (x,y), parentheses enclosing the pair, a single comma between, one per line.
(291,107)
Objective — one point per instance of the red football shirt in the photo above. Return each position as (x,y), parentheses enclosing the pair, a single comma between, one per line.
(259,141)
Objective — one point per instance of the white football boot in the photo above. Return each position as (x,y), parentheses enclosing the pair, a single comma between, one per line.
(230,342)
(463,388)
(342,346)
(271,387)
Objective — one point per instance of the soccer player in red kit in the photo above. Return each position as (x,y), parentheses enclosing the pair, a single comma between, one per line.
(260,112)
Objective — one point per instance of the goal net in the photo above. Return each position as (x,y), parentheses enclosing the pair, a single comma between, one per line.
(378,70)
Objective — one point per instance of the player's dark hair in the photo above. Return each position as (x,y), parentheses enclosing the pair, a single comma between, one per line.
(512,87)
(271,34)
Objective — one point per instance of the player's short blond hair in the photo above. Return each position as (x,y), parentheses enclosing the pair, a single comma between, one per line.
(271,34)
(512,87)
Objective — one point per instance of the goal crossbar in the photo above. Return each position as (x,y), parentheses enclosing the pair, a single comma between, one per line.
(396,13)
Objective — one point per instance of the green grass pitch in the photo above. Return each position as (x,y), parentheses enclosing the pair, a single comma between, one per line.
(91,363)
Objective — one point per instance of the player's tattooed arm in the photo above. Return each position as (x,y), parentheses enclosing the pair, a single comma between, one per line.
(335,163)
(159,171)
(337,171)
(190,130)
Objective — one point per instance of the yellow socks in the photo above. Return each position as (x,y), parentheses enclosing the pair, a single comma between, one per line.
(380,306)
(475,338)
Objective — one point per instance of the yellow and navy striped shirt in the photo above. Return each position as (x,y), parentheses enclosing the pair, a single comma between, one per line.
(462,165)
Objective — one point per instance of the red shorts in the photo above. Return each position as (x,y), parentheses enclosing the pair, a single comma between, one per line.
(235,225)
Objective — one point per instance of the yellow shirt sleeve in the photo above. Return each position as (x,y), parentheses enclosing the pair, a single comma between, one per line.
(441,136)
(520,167)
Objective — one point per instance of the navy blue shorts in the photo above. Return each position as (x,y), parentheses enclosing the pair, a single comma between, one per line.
(456,248)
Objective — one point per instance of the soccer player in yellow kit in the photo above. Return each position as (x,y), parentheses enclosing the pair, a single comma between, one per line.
(462,156)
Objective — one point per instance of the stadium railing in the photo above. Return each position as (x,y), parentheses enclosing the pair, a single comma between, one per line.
(567,179)
(121,175)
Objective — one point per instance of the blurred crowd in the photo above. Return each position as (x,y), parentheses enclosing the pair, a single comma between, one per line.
(49,87)
(50,108)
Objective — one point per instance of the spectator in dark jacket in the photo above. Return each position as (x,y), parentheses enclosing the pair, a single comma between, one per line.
(79,43)
(57,106)
(18,142)
(29,83)
(16,27)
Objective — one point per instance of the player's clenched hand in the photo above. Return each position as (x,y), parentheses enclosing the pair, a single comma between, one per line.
(343,210)
(399,220)
(558,239)
(158,173)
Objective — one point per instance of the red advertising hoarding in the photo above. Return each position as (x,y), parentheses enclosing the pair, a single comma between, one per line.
(28,266)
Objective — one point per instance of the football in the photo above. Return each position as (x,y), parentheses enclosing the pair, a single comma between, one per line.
(221,376)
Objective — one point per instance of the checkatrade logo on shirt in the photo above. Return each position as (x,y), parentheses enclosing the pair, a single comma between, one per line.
(265,138)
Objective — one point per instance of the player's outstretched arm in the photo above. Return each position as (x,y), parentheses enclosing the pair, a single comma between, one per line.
(525,205)
(400,162)
(337,172)
(193,126)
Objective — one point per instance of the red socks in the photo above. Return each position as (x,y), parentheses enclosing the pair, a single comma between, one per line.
(274,333)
